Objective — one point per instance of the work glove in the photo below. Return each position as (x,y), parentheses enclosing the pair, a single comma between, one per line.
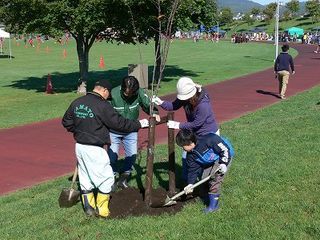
(173,124)
(157,116)
(188,189)
(144,123)
(222,169)
(156,100)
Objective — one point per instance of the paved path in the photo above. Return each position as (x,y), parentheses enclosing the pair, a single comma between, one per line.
(42,151)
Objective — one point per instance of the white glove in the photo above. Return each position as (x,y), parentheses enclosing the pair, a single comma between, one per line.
(157,116)
(144,123)
(188,189)
(222,169)
(156,100)
(173,124)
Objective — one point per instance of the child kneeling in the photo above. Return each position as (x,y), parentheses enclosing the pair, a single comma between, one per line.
(206,155)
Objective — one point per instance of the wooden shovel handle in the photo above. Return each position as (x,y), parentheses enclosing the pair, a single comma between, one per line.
(75,174)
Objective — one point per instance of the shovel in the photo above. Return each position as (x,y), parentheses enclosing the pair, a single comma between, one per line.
(172,200)
(69,196)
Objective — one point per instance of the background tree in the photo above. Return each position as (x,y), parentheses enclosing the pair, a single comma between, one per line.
(293,6)
(86,20)
(150,18)
(269,11)
(255,12)
(287,15)
(313,9)
(83,19)
(225,16)
(247,18)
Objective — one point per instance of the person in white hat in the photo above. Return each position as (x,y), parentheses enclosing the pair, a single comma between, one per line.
(198,109)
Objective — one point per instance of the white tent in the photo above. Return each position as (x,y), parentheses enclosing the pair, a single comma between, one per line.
(4,34)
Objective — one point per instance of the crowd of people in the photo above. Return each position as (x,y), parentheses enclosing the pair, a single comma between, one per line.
(106,117)
(306,38)
(36,39)
(213,36)
(311,38)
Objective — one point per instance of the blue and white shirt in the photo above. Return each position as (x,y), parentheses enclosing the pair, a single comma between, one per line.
(208,150)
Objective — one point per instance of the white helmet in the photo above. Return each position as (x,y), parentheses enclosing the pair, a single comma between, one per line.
(186,88)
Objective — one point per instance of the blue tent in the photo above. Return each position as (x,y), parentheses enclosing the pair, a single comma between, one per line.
(202,28)
(217,29)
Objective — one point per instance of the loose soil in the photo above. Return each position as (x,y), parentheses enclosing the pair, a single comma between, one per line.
(130,202)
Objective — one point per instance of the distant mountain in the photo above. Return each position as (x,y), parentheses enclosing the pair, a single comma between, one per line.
(302,9)
(237,6)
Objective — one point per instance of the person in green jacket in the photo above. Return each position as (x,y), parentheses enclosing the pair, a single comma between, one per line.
(127,99)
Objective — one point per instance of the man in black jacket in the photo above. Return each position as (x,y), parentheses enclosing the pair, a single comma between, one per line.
(282,66)
(89,118)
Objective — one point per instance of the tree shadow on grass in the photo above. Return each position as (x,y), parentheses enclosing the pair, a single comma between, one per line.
(242,30)
(5,56)
(303,24)
(159,169)
(172,72)
(257,58)
(262,25)
(68,82)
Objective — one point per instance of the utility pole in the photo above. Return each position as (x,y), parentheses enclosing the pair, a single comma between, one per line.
(276,34)
(218,31)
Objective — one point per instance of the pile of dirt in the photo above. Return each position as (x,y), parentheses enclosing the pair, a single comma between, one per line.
(130,202)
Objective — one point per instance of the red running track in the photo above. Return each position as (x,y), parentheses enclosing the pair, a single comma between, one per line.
(42,151)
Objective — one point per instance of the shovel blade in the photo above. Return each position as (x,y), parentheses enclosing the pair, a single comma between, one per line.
(68,197)
(169,202)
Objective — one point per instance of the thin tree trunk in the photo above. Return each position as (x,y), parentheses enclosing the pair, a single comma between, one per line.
(83,54)
(157,51)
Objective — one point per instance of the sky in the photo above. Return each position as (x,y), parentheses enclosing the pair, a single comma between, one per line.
(264,2)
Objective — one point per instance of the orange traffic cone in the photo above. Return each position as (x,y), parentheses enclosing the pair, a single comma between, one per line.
(101,64)
(64,53)
(49,88)
(47,49)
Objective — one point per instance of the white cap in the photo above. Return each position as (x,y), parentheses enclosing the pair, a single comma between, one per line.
(186,88)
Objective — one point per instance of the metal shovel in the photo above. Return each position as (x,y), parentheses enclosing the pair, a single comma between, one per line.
(171,200)
(70,196)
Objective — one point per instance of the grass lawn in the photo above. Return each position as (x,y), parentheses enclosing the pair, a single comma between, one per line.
(23,79)
(272,190)
(300,22)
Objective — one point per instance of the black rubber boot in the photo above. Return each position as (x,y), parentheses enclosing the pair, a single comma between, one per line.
(123,180)
(89,203)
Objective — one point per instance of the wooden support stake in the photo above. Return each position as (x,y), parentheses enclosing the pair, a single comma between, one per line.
(171,157)
(150,159)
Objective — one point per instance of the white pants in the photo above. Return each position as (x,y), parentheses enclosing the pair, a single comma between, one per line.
(94,168)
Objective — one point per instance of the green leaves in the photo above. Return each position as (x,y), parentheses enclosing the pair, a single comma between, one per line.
(313,8)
